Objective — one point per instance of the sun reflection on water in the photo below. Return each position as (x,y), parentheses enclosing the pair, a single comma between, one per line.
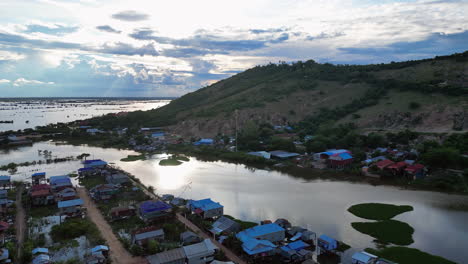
(173,177)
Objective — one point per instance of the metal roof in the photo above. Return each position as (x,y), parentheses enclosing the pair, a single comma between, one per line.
(363,257)
(283,154)
(204,247)
(167,256)
(205,204)
(69,203)
(150,234)
(5,178)
(153,206)
(40,250)
(99,248)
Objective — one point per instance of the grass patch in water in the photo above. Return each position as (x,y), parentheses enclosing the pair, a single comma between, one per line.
(378,211)
(387,231)
(404,255)
(134,158)
(171,161)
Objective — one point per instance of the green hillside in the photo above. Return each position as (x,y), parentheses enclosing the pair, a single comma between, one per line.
(425,95)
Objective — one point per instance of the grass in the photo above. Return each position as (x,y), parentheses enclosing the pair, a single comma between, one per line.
(91,181)
(387,231)
(169,162)
(378,211)
(404,255)
(43,211)
(134,158)
(74,228)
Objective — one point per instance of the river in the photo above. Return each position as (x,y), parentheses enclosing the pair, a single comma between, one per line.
(253,195)
(39,112)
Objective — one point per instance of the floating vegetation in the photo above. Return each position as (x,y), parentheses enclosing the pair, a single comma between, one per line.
(378,211)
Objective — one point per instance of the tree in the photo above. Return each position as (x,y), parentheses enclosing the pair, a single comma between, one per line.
(375,140)
(313,146)
(442,157)
(282,144)
(153,246)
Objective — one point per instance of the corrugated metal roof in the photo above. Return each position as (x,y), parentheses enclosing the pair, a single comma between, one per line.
(204,247)
(70,203)
(167,256)
(40,250)
(150,234)
(363,257)
(260,230)
(205,204)
(153,206)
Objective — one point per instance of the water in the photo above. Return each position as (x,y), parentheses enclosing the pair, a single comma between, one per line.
(40,112)
(256,195)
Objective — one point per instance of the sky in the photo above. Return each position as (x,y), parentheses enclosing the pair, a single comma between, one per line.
(150,48)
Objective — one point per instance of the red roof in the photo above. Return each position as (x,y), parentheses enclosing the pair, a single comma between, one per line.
(4,225)
(40,187)
(398,166)
(384,163)
(414,168)
(40,193)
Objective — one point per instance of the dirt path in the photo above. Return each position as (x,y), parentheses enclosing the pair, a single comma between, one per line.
(118,253)
(20,222)
(229,254)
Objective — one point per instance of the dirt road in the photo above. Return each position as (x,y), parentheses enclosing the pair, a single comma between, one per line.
(118,253)
(20,222)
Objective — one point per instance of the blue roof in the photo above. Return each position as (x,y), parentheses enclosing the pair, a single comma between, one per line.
(91,161)
(5,178)
(204,141)
(85,169)
(41,259)
(40,250)
(99,248)
(97,163)
(345,156)
(283,154)
(70,203)
(205,204)
(39,174)
(59,179)
(3,191)
(298,245)
(154,206)
(363,257)
(253,246)
(158,134)
(259,230)
(327,239)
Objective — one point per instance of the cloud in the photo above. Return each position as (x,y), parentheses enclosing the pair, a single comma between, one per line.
(23,81)
(50,29)
(107,28)
(4,81)
(120,48)
(130,15)
(10,56)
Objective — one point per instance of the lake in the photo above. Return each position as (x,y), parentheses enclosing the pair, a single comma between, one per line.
(254,195)
(39,112)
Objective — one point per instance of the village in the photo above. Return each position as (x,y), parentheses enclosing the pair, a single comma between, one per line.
(104,215)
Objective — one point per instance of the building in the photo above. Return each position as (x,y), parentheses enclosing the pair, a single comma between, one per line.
(262,154)
(3,194)
(66,194)
(104,191)
(158,135)
(383,164)
(225,225)
(144,235)
(5,181)
(173,256)
(199,253)
(416,171)
(96,163)
(283,155)
(70,207)
(154,210)
(340,160)
(41,194)
(327,244)
(296,251)
(58,183)
(122,212)
(118,178)
(271,232)
(329,153)
(363,258)
(94,131)
(206,208)
(38,178)
(284,223)
(188,237)
(177,201)
(204,141)
(397,168)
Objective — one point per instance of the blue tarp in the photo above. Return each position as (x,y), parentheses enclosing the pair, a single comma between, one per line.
(90,161)
(153,206)
(40,250)
(99,248)
(205,204)
(85,169)
(69,203)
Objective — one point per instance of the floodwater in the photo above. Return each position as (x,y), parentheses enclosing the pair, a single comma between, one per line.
(253,195)
(32,113)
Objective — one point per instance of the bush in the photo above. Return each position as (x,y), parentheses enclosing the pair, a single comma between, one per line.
(387,231)
(414,105)
(378,211)
(74,228)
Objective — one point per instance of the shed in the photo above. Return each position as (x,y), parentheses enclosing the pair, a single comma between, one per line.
(70,206)
(225,225)
(262,154)
(40,251)
(142,236)
(202,252)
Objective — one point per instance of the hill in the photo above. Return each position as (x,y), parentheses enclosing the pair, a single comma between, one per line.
(424,95)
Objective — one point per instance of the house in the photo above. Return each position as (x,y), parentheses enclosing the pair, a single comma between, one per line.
(4,203)
(202,252)
(3,226)
(293,231)
(41,259)
(177,201)
(189,237)
(38,178)
(329,153)
(204,141)
(5,181)
(363,258)
(118,178)
(308,236)
(258,248)
(206,208)
(384,164)
(271,232)
(375,159)
(397,168)
(416,171)
(70,207)
(94,131)
(262,154)
(86,171)
(326,243)
(296,251)
(3,194)
(59,183)
(173,256)
(122,212)
(340,160)
(142,236)
(158,135)
(4,256)
(153,210)
(41,194)
(104,191)
(38,251)
(66,194)
(283,155)
(95,163)
(225,225)
(284,223)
